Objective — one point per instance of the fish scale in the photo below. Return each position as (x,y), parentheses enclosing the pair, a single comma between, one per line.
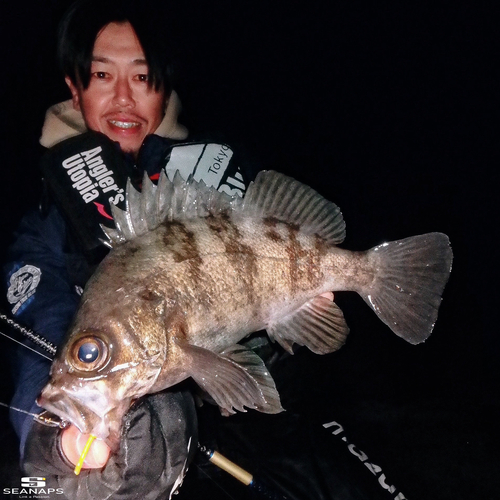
(192,272)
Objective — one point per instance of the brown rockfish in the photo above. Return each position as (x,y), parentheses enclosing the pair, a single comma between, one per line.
(193,271)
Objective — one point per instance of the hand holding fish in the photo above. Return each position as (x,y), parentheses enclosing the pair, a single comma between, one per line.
(157,430)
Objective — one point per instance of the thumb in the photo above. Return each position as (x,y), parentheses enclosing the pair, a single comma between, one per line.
(73,442)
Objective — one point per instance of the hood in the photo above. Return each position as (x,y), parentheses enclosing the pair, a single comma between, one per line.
(62,121)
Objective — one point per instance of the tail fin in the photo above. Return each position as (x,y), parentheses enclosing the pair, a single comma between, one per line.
(411,275)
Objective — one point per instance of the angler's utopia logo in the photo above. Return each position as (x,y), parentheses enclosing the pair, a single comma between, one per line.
(33,487)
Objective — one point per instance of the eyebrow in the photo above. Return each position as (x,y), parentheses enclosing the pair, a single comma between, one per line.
(103,59)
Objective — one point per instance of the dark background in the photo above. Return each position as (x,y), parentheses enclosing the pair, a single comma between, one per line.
(386,108)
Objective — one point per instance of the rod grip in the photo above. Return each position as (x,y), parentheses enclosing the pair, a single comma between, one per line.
(230,467)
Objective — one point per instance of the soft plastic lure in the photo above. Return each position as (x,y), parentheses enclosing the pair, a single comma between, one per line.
(85,452)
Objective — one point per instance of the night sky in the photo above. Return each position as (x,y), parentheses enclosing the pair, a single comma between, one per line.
(386,108)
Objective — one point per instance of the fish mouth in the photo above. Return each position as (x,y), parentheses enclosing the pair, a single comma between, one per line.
(68,413)
(91,415)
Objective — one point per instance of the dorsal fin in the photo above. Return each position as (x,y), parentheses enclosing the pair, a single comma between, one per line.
(168,200)
(278,196)
(271,195)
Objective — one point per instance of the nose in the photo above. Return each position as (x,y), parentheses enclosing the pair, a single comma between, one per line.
(123,94)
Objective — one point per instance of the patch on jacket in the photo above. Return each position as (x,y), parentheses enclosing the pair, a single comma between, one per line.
(207,162)
(22,286)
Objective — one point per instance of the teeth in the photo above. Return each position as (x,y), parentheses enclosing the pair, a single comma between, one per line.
(120,124)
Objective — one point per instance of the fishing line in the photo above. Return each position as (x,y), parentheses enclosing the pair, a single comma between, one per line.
(62,424)
(24,345)
(43,417)
(30,334)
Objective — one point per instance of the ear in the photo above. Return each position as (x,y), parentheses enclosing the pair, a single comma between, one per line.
(75,94)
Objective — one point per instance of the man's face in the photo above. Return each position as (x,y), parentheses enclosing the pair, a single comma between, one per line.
(118,101)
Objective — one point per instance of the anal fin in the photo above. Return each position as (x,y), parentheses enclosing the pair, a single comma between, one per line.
(235,379)
(319,325)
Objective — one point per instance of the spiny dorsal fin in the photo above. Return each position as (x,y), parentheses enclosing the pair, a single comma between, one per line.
(271,195)
(169,200)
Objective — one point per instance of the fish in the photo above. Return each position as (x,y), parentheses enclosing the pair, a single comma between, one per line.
(192,272)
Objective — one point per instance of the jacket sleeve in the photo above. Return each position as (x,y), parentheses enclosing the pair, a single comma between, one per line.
(42,297)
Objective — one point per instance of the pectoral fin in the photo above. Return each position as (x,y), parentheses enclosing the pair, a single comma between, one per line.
(235,379)
(319,325)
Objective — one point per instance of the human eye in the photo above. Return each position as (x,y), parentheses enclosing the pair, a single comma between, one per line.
(100,75)
(142,77)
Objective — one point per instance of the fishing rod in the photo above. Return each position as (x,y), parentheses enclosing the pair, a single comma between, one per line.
(43,417)
(243,476)
(214,457)
(30,335)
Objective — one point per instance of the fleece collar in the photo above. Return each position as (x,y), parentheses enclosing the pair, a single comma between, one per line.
(62,121)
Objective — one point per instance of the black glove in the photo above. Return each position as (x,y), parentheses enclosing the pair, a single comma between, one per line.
(85,174)
(159,439)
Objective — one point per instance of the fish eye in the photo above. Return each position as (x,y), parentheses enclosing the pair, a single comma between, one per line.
(89,353)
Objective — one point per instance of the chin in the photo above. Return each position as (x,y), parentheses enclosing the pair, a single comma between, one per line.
(130,148)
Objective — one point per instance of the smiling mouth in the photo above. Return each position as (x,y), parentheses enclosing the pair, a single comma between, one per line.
(124,125)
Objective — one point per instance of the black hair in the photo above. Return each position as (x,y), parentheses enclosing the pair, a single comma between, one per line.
(85,19)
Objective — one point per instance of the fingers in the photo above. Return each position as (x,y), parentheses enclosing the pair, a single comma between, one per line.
(73,442)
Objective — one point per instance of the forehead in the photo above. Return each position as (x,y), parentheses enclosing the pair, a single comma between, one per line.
(118,42)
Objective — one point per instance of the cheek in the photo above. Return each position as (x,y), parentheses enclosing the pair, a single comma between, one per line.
(92,107)
(155,109)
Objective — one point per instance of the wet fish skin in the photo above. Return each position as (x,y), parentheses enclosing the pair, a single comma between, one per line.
(192,276)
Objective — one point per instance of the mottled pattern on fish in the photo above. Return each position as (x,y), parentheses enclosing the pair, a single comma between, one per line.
(233,273)
(193,271)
